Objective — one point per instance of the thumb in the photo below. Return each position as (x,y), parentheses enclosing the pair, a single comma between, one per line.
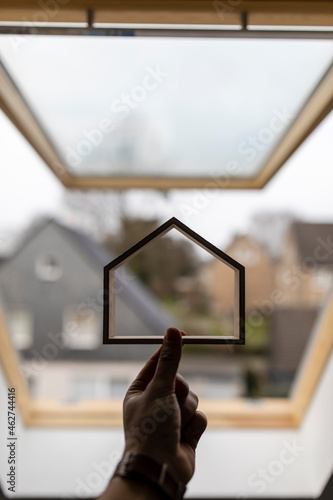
(169,359)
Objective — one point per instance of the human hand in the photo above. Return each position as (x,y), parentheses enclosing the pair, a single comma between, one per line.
(160,412)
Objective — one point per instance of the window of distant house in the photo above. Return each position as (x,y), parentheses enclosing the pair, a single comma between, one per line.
(48,267)
(119,387)
(323,279)
(20,322)
(80,328)
(246,255)
(95,387)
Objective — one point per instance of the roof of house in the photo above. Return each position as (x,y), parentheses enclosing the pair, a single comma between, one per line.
(137,296)
(291,330)
(309,236)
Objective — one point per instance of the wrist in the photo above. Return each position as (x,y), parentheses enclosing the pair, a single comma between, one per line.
(156,474)
(132,488)
(156,452)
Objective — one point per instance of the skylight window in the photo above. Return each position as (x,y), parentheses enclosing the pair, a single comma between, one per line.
(165,108)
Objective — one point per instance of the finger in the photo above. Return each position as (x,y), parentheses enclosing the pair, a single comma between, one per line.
(181,389)
(193,431)
(188,409)
(168,360)
(146,374)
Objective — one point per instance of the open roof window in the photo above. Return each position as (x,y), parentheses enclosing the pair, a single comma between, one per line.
(165,112)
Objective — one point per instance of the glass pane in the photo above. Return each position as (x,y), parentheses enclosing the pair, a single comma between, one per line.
(165,107)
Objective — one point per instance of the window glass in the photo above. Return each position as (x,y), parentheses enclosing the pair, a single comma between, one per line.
(165,107)
(80,329)
(20,322)
(48,267)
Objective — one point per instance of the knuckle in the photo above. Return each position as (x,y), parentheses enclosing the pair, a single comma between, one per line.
(167,356)
(182,384)
(194,398)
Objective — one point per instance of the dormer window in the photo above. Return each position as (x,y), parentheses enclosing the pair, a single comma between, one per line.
(48,267)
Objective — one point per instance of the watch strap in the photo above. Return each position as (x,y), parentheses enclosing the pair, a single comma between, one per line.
(138,466)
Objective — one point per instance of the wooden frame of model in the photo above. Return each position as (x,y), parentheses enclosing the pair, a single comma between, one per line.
(109,333)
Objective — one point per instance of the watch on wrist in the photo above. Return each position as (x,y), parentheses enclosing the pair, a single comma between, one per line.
(138,466)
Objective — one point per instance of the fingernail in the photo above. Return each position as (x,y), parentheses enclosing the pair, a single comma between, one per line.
(172,334)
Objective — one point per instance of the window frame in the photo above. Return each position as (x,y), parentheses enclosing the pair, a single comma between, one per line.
(268,413)
(317,107)
(237,413)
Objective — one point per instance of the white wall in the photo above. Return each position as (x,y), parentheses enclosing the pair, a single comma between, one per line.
(229,461)
(53,462)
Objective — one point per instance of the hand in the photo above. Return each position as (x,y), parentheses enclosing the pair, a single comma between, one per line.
(160,412)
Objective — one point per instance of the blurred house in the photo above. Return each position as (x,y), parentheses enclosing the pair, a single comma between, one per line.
(304,277)
(288,289)
(304,272)
(260,269)
(52,294)
(291,329)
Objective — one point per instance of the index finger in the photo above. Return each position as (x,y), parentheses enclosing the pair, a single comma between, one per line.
(146,374)
(169,358)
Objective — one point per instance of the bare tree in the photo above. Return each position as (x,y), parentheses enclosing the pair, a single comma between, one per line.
(269,229)
(96,212)
(160,263)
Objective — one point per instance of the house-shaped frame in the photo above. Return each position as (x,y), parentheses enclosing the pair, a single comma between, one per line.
(109,334)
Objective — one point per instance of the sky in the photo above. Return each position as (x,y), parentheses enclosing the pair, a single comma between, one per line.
(302,187)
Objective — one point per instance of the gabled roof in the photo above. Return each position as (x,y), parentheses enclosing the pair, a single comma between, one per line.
(136,295)
(310,236)
(291,330)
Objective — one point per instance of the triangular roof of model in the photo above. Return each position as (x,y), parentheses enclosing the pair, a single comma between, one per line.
(189,233)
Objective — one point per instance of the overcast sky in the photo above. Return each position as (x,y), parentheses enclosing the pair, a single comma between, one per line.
(303,187)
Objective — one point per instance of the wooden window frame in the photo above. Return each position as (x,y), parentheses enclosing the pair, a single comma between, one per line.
(240,413)
(262,13)
(175,12)
(235,413)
